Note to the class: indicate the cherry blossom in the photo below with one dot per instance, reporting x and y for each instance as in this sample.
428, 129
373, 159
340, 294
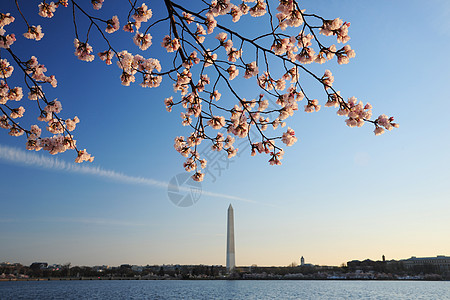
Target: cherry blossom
97, 4
143, 41
201, 67
112, 25
83, 51
46, 10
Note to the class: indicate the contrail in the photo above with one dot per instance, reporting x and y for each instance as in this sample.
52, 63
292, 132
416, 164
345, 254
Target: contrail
34, 159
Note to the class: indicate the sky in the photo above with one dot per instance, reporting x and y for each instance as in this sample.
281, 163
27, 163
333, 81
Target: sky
341, 193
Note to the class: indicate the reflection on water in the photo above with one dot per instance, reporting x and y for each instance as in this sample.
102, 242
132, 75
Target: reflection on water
222, 289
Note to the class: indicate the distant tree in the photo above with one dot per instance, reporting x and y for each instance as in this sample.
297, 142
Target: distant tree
65, 270
293, 264
202, 67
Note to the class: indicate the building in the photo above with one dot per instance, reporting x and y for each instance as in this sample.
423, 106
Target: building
440, 263
230, 240
302, 261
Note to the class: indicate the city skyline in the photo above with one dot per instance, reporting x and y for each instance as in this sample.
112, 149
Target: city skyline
340, 194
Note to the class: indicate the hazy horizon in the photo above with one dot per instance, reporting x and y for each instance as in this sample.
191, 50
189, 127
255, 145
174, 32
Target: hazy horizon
341, 193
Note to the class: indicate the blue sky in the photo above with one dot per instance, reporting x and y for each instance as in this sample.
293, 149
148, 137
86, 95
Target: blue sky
341, 193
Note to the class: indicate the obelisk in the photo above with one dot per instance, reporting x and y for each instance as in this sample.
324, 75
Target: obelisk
230, 240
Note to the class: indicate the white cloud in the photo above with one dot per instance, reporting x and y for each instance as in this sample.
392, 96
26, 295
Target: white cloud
34, 159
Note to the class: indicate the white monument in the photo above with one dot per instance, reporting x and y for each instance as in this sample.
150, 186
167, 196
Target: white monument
230, 240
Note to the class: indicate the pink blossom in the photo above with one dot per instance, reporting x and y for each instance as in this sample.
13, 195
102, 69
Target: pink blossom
198, 176
6, 19
236, 13
15, 131
211, 23
306, 56
229, 141
35, 93
221, 37
33, 144
36, 131
52, 80
55, 126
386, 122
168, 102
151, 81
142, 14
129, 26
194, 140
244, 8
15, 94
46, 10
83, 156
187, 120
291, 17
127, 78
112, 25
209, 58
215, 95
190, 165
327, 79
220, 7
5, 69
203, 163
378, 130
234, 54
276, 157
17, 112
231, 151
53, 107
97, 4
312, 106
200, 30
333, 100
251, 70
7, 41
188, 17
217, 122
289, 137
4, 123
169, 44
72, 123
259, 9
191, 60
106, 56
143, 41
83, 51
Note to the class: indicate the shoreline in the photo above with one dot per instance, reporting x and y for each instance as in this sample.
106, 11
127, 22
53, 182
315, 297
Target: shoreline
197, 279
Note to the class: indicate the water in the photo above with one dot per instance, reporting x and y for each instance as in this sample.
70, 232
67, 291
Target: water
222, 289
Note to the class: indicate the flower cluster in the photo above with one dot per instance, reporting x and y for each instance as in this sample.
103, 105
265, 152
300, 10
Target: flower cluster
336, 27
356, 112
289, 15
170, 45
199, 70
97, 4
6, 40
143, 41
36, 70
6, 69
131, 64
386, 122
83, 51
112, 25
14, 94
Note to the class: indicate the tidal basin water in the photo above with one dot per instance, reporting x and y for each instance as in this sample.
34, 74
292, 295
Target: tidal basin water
222, 289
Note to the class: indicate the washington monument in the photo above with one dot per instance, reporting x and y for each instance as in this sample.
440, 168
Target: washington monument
230, 240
